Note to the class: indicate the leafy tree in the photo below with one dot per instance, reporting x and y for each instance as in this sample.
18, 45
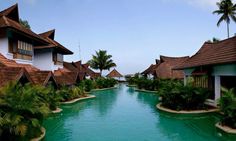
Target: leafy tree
25, 23
214, 40
227, 10
101, 61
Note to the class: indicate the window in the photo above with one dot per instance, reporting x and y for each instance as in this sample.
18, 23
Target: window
58, 59
22, 51
25, 48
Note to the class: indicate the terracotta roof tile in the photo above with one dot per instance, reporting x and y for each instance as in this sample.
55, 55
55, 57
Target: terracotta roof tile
63, 77
8, 74
212, 54
41, 77
49, 37
114, 73
165, 68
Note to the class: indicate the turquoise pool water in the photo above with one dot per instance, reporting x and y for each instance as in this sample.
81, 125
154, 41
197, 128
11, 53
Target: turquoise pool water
123, 114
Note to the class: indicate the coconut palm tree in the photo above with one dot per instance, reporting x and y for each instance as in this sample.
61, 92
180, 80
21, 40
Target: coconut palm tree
101, 61
227, 10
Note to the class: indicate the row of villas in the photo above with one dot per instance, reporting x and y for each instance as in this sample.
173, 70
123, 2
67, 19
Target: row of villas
37, 58
212, 67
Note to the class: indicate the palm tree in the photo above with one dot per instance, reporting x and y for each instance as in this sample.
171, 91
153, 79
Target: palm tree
227, 10
101, 61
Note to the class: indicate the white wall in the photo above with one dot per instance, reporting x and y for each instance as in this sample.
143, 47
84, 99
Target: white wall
43, 60
4, 48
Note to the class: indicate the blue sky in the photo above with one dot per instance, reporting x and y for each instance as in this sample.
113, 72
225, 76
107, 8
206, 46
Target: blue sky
135, 32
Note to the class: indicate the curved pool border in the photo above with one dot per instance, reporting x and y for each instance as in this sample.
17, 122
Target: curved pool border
41, 137
226, 129
58, 110
78, 99
161, 108
131, 85
94, 90
146, 91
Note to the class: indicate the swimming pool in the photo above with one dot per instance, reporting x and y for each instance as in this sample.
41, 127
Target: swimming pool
123, 114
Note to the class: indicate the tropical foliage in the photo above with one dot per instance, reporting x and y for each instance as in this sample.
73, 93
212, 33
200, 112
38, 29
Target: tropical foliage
227, 10
147, 84
21, 112
132, 80
227, 105
105, 82
101, 61
87, 85
70, 93
176, 96
25, 23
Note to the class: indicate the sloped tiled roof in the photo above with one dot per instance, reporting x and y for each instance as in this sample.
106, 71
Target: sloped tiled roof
114, 73
8, 74
7, 21
213, 53
150, 69
37, 76
11, 63
49, 37
65, 77
166, 65
41, 77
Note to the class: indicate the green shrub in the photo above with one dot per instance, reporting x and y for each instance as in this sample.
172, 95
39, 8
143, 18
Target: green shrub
49, 96
147, 84
132, 80
105, 82
227, 105
70, 93
21, 112
87, 85
175, 96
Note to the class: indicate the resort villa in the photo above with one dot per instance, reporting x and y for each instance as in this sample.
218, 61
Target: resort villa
212, 67
115, 74
163, 68
37, 58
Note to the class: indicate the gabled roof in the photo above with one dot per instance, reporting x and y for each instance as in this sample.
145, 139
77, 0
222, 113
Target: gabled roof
49, 37
11, 12
9, 18
85, 69
11, 63
65, 77
114, 73
221, 52
36, 76
150, 69
41, 77
165, 68
8, 74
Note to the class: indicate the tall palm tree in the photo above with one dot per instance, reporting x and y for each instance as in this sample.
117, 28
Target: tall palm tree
101, 61
227, 10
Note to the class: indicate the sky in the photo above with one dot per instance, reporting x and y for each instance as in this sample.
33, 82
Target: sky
134, 32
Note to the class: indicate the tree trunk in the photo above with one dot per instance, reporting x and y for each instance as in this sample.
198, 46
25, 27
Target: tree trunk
101, 72
228, 29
